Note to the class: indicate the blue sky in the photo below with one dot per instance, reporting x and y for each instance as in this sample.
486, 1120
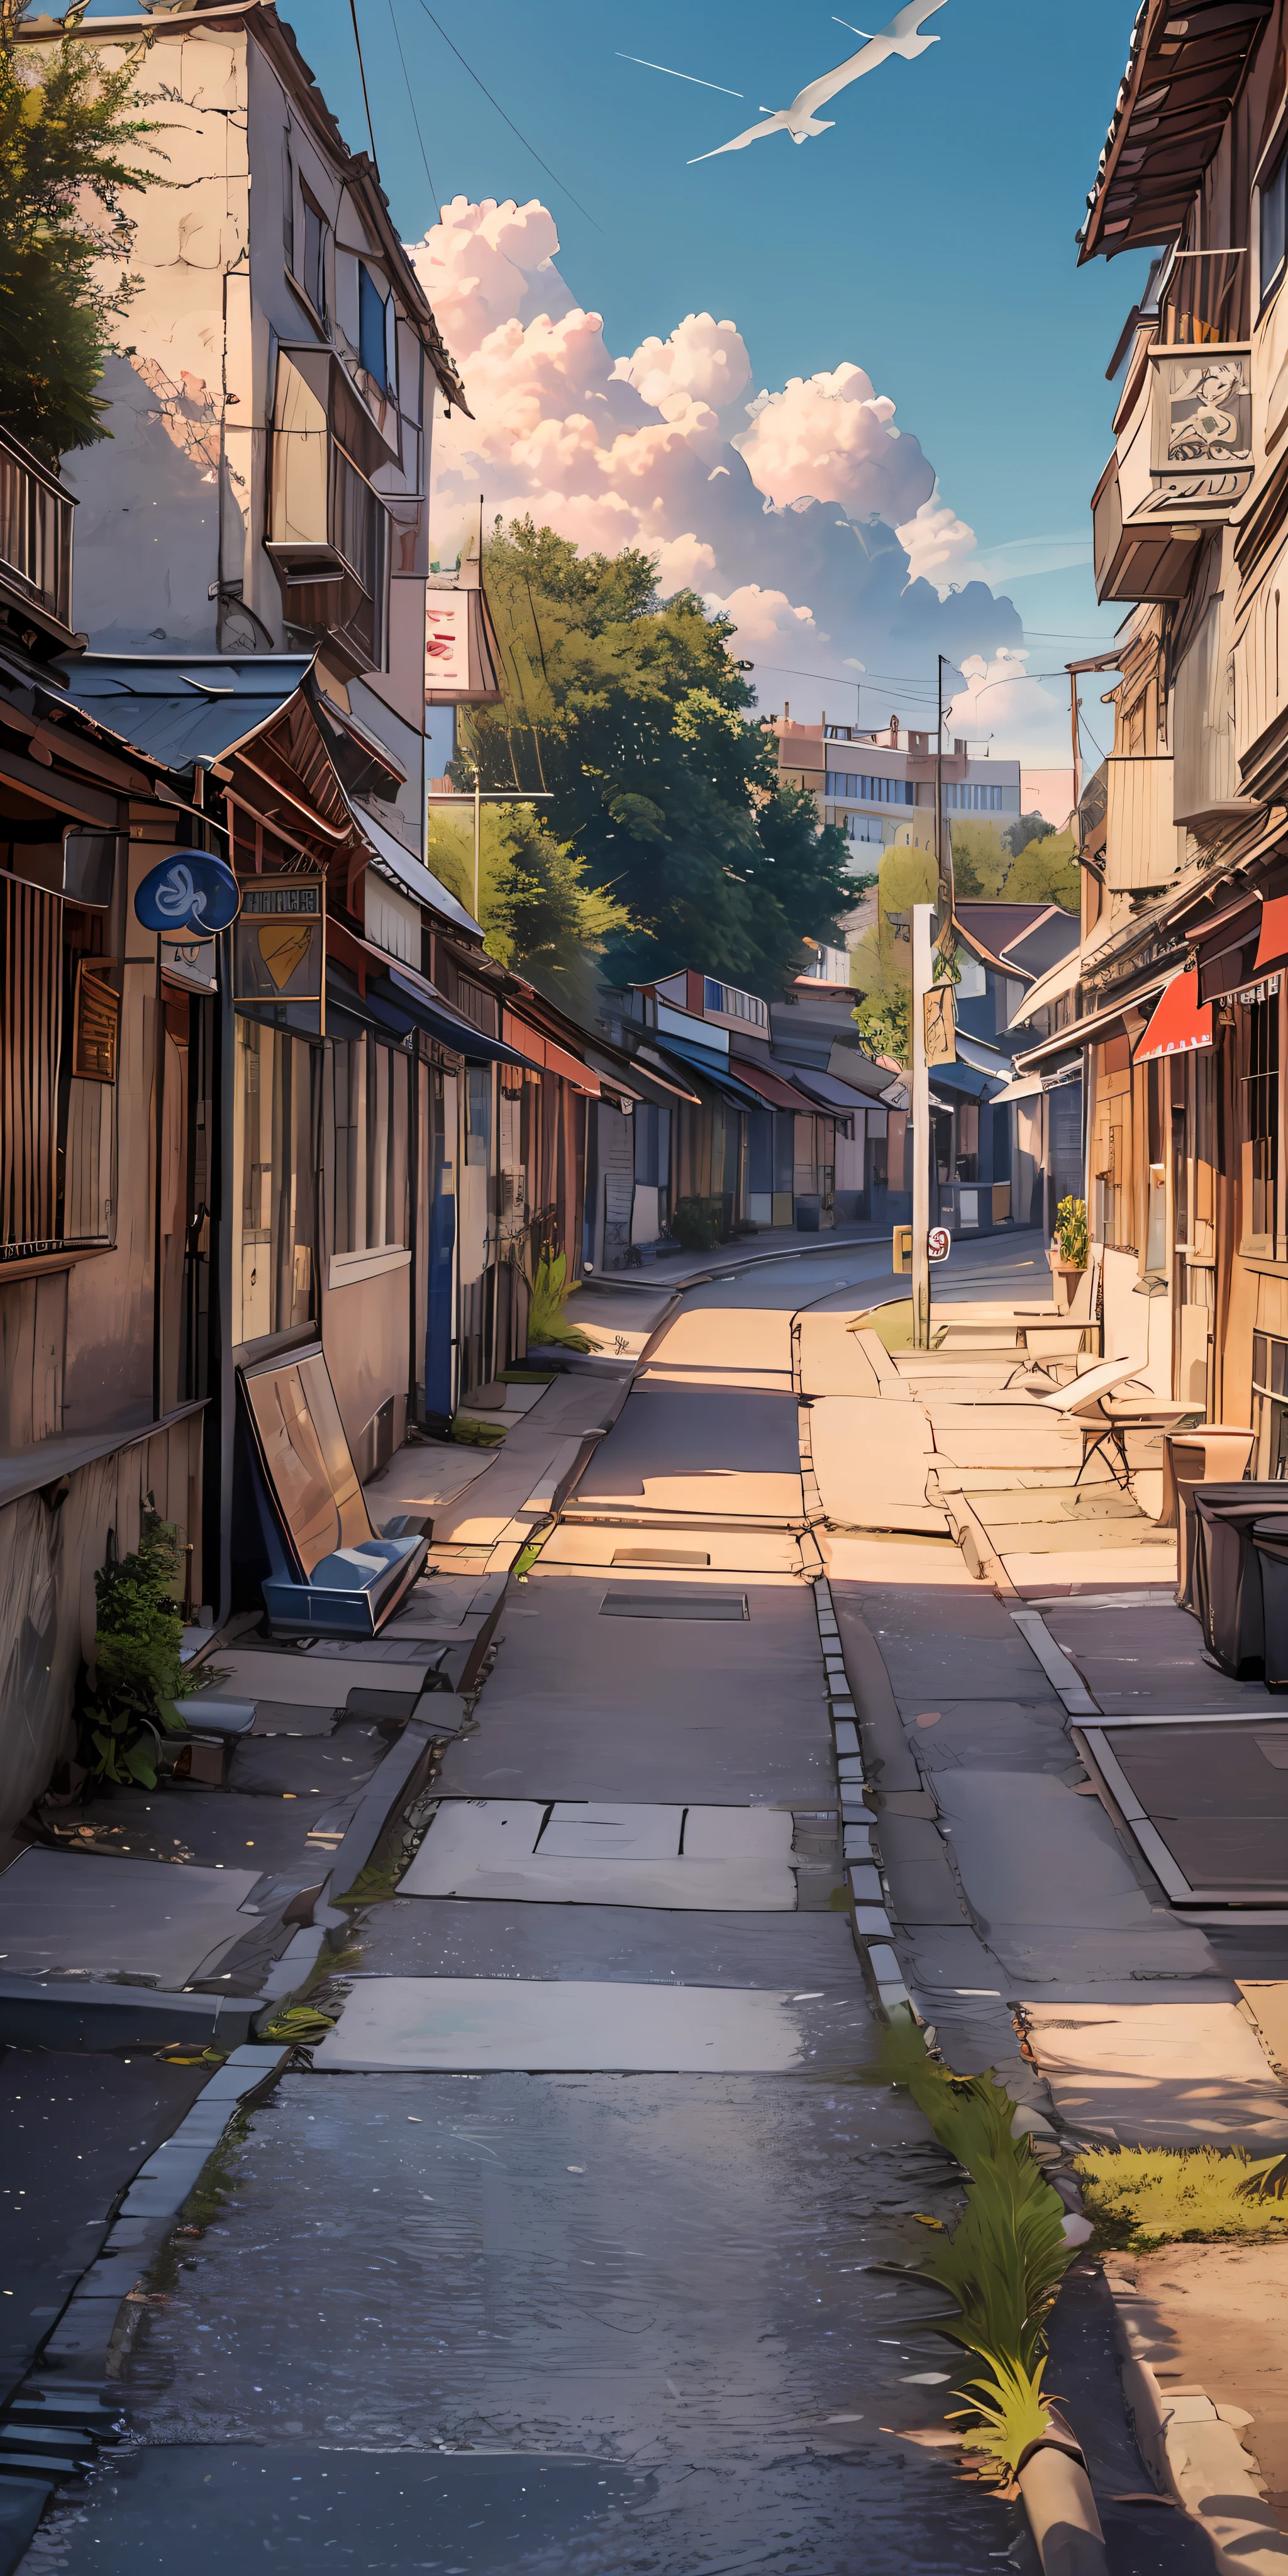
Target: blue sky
928, 237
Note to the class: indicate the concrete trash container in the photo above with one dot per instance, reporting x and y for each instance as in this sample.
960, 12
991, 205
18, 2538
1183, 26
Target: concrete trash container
1226, 1581
1210, 1453
1270, 1540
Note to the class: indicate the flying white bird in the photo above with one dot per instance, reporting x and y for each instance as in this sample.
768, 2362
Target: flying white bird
903, 36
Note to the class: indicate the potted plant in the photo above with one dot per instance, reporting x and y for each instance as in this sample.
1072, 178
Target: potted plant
1068, 1252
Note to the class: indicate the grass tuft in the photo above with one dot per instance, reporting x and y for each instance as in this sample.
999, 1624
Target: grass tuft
1139, 2197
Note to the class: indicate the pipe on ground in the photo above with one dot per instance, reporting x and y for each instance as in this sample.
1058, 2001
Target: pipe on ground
1062, 2513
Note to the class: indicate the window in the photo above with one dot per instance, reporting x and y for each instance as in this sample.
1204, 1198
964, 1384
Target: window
377, 332
317, 233
734, 1004
273, 1118
328, 529
370, 1091
1260, 1088
1274, 225
975, 800
869, 791
59, 1020
1270, 1395
288, 206
478, 1113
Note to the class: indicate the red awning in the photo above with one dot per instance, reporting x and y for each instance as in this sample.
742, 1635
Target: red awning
776, 1093
1179, 1021
534, 1043
1272, 947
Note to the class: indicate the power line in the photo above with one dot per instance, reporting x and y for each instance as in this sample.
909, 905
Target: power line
411, 95
362, 74
508, 120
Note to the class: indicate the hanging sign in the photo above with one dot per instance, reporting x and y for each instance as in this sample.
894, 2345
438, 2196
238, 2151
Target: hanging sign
941, 1025
939, 1243
191, 894
279, 955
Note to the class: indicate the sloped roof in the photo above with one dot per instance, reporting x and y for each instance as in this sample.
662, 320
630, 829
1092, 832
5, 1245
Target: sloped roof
1182, 77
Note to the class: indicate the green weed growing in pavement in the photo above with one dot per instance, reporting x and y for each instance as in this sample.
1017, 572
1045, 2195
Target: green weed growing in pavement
1140, 2197
1004, 2260
139, 1676
547, 1321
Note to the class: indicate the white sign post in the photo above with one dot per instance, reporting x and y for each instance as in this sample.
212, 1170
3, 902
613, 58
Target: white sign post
922, 977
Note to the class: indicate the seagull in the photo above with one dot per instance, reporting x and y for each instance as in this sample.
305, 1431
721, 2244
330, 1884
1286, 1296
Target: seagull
903, 36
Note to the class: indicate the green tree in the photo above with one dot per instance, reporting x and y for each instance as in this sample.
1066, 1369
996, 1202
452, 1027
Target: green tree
1047, 872
981, 859
881, 964
1030, 827
67, 124
537, 912
629, 711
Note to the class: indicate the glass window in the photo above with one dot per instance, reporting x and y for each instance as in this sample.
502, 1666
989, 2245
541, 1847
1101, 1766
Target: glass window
372, 338
273, 1276
1270, 1395
1274, 224
316, 230
1260, 1116
369, 1122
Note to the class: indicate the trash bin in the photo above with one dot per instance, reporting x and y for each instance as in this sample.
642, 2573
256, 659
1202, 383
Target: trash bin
1210, 1453
1226, 1580
1270, 1540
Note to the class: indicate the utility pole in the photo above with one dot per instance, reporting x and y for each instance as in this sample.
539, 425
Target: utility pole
477, 832
939, 785
922, 916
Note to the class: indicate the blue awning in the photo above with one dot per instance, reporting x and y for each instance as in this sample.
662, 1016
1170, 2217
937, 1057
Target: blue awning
180, 709
964, 1079
402, 1005
713, 1068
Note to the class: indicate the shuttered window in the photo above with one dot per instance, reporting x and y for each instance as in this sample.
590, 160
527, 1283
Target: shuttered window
31, 1016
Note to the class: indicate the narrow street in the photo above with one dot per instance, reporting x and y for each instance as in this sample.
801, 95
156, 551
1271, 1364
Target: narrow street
569, 2248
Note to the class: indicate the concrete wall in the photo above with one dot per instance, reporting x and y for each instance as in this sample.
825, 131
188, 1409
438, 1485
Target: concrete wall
49, 1550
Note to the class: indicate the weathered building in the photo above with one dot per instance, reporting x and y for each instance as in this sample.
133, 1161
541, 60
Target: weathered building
1177, 1005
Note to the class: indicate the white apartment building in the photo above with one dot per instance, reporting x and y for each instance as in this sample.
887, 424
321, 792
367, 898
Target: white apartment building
879, 788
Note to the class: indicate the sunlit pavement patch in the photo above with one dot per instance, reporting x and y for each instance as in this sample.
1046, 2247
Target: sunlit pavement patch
594, 1853
469, 2023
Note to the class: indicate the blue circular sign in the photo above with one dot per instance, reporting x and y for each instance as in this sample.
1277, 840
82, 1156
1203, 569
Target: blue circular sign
191, 895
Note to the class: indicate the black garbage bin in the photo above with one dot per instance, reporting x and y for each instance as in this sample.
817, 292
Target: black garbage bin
1227, 1573
1270, 1540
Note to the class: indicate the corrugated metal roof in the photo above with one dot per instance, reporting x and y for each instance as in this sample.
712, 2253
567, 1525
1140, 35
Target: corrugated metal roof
183, 709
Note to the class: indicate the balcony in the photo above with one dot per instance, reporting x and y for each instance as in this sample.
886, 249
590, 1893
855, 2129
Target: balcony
35, 551
1183, 460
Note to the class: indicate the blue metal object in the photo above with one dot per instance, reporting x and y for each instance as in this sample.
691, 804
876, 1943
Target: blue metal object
192, 894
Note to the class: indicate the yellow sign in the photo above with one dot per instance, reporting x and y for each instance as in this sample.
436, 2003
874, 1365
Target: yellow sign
941, 1025
901, 1250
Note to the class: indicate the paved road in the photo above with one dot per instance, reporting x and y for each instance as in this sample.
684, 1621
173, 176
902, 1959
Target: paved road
563, 2254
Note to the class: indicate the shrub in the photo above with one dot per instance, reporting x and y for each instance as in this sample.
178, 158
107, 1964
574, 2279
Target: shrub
139, 1674
698, 1223
1071, 1231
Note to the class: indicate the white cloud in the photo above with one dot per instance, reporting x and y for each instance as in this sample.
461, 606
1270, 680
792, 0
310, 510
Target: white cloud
938, 544
805, 512
1002, 707
702, 358
763, 616
829, 438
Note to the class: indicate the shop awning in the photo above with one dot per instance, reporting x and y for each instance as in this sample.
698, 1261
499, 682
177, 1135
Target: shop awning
544, 1050
778, 1093
1051, 987
963, 1079
403, 1004
1272, 948
1180, 1021
985, 1058
1226, 950
1026, 1086
713, 1069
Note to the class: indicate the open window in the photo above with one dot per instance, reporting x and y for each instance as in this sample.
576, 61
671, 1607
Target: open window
59, 1039
328, 528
